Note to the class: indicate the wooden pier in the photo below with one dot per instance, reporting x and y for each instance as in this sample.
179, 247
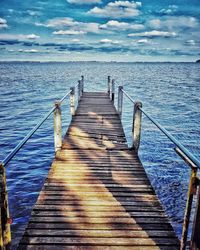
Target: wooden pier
97, 194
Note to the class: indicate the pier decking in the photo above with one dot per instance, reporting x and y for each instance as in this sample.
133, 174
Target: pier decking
97, 194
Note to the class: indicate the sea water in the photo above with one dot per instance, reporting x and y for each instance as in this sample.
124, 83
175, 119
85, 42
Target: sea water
169, 92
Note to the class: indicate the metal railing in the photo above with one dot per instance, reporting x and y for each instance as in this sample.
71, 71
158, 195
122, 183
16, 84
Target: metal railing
184, 153
5, 220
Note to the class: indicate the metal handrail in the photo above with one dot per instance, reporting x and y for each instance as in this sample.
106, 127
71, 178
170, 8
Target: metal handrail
127, 95
6, 160
169, 136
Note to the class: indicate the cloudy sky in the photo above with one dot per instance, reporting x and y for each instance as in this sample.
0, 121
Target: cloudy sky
69, 30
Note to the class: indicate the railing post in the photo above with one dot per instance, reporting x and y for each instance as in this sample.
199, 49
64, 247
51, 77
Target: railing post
5, 220
120, 100
82, 84
136, 127
79, 90
109, 81
57, 127
195, 240
72, 101
188, 208
113, 91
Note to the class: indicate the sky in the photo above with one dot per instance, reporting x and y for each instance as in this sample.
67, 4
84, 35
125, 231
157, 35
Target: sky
99, 30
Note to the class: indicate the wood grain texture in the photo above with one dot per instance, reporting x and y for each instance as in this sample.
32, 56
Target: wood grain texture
97, 194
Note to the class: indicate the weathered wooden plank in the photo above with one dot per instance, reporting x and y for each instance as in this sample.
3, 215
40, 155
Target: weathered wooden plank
100, 190
96, 226
97, 208
101, 233
97, 214
97, 247
102, 220
120, 241
106, 194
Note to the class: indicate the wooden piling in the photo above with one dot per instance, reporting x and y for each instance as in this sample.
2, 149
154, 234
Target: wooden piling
72, 101
82, 84
136, 126
109, 82
186, 221
195, 239
57, 127
120, 100
5, 237
113, 90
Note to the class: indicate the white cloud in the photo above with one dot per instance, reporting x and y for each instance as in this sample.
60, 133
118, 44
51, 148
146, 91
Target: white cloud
66, 22
28, 50
143, 41
32, 37
59, 23
118, 9
84, 1
171, 23
18, 37
89, 27
116, 25
69, 32
153, 33
171, 9
33, 13
75, 40
3, 23
191, 42
109, 41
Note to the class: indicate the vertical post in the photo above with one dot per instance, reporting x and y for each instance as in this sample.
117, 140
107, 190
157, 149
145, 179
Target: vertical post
188, 208
109, 81
57, 127
72, 101
5, 237
195, 240
82, 84
120, 100
113, 91
79, 90
136, 127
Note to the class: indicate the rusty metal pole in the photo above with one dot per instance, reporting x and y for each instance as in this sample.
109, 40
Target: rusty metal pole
57, 127
5, 237
136, 127
113, 91
195, 239
120, 100
72, 101
188, 208
109, 82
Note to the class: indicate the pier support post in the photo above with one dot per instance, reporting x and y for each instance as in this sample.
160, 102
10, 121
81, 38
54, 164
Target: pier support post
57, 127
113, 91
188, 208
195, 240
5, 220
136, 127
82, 84
79, 90
120, 100
72, 101
109, 82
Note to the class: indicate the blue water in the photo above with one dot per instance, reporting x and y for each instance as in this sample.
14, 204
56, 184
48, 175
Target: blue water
170, 92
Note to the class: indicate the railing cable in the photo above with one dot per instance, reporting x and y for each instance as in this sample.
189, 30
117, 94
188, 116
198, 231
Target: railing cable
169, 136
28, 136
